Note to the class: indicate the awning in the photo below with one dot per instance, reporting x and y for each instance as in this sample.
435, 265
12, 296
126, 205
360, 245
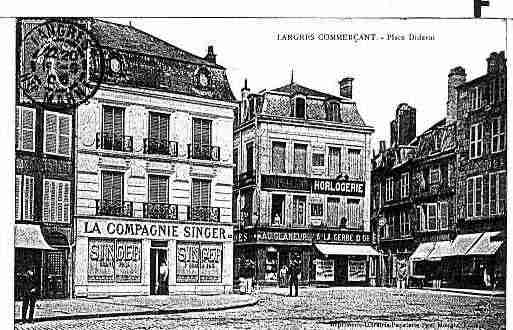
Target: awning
346, 250
29, 237
422, 251
441, 249
462, 243
487, 244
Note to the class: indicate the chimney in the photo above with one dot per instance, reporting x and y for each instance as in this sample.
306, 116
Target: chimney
382, 146
457, 76
211, 57
496, 62
405, 124
244, 100
393, 133
346, 87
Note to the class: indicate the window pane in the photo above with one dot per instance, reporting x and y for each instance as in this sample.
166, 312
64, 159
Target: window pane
332, 219
300, 158
299, 210
277, 216
278, 157
333, 161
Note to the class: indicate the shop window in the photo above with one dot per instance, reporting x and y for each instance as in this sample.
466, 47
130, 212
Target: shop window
476, 140
278, 157
354, 214
271, 265
56, 201
278, 210
498, 134
316, 209
299, 210
474, 196
333, 161
355, 169
333, 212
300, 158
318, 160
25, 128
57, 139
497, 184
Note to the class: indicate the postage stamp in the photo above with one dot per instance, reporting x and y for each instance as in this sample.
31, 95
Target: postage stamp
54, 70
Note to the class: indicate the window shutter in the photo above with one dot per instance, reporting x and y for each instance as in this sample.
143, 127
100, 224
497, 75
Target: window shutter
18, 128
53, 201
18, 197
108, 120
112, 186
196, 131
154, 126
118, 123
479, 192
64, 134
205, 193
28, 120
66, 202
332, 212
106, 186
60, 201
164, 127
205, 132
28, 198
46, 200
196, 193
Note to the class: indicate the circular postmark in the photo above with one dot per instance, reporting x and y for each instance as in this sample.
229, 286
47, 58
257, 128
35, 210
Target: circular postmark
54, 71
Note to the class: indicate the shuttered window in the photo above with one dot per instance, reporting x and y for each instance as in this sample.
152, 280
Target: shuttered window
278, 157
158, 189
56, 201
300, 158
57, 139
332, 220
18, 196
28, 198
159, 126
333, 161
112, 186
355, 169
354, 213
200, 193
201, 132
113, 122
25, 128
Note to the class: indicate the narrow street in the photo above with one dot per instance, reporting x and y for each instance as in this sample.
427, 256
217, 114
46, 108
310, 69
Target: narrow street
323, 309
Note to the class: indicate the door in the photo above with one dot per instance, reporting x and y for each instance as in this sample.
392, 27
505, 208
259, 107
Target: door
55, 274
159, 272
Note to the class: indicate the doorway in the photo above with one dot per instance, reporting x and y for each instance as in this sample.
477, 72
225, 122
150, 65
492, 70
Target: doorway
159, 268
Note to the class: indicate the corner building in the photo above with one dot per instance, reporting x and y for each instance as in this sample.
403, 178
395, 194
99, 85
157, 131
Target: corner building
302, 185
154, 170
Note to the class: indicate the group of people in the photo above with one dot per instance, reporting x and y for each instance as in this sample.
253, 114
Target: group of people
289, 274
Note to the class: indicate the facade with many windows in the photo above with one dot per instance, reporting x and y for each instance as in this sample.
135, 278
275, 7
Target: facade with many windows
154, 171
44, 191
302, 185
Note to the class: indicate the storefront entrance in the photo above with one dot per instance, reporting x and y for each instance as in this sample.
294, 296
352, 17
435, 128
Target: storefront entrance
159, 268
55, 274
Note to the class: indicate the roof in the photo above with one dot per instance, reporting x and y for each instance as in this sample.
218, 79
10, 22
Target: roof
293, 89
131, 39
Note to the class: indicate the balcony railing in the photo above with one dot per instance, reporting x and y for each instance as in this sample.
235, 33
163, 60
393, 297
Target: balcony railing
114, 208
160, 211
203, 152
161, 147
204, 213
108, 141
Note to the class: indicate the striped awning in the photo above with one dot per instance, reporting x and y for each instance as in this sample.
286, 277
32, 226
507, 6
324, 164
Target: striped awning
488, 244
422, 251
441, 249
29, 237
462, 243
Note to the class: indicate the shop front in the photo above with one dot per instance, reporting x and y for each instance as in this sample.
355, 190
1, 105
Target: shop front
326, 257
118, 257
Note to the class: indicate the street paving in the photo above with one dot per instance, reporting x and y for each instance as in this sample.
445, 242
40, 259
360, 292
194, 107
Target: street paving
323, 309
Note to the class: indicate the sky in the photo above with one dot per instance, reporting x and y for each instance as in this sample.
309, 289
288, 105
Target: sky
386, 72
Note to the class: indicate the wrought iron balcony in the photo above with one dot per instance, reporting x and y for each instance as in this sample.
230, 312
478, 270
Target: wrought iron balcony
161, 147
160, 211
203, 152
204, 213
116, 142
114, 208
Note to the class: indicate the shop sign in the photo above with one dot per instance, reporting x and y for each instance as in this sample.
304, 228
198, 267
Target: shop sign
302, 236
314, 185
112, 260
324, 270
152, 230
199, 262
356, 270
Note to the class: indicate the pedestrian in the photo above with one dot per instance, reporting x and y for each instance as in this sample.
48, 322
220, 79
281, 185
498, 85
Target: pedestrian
163, 276
283, 276
29, 288
293, 277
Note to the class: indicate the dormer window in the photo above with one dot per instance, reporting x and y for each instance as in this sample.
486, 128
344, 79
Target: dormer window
299, 108
203, 78
333, 111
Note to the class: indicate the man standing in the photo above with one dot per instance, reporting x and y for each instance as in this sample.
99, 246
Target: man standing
29, 295
293, 280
